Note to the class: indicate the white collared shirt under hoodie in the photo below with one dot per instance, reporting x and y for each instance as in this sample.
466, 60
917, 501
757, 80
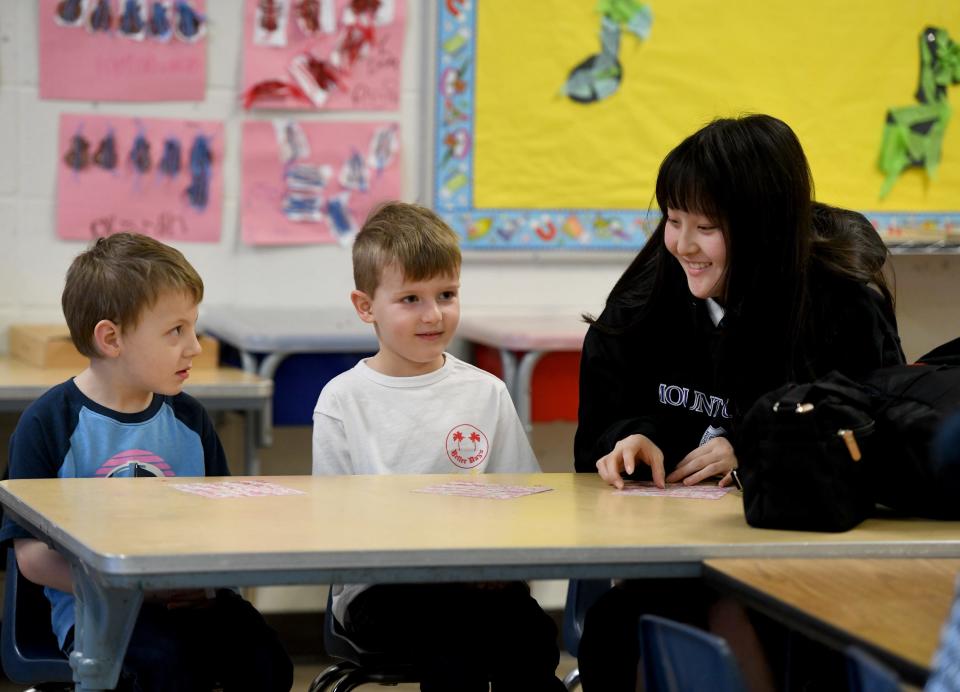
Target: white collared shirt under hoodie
457, 419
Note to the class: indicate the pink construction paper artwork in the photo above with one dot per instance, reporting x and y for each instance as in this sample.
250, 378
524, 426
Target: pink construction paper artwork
122, 50
322, 54
159, 177
313, 182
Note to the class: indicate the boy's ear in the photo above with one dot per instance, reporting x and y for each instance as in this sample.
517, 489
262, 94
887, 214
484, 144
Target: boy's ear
106, 338
363, 304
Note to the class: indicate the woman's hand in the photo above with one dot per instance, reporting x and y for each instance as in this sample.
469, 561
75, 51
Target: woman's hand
624, 457
715, 458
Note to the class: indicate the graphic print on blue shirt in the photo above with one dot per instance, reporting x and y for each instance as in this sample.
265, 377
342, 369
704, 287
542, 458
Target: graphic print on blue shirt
102, 446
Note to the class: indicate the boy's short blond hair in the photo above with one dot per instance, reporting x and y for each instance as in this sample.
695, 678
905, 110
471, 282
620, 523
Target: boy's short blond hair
118, 278
413, 237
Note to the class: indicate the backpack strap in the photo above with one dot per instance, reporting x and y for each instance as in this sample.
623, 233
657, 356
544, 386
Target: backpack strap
944, 354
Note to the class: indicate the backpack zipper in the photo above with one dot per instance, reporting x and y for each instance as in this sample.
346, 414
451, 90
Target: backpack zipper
851, 441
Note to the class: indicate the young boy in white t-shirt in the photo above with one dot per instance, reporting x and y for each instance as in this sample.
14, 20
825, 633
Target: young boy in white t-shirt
412, 408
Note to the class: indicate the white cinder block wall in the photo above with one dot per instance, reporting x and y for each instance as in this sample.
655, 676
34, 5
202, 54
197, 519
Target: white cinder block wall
33, 260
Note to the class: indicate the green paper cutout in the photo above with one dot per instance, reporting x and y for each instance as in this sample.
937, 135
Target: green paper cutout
599, 76
913, 135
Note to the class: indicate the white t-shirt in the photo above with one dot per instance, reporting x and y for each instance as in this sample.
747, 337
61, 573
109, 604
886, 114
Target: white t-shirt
456, 419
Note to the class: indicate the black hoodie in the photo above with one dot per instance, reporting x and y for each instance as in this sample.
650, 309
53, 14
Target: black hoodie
665, 371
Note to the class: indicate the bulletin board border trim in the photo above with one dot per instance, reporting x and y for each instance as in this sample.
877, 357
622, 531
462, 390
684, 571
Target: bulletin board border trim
566, 229
453, 159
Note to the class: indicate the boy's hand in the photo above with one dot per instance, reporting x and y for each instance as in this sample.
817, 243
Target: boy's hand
624, 457
715, 458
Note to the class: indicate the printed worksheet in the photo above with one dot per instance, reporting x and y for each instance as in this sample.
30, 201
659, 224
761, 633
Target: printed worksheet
251, 488
487, 490
697, 492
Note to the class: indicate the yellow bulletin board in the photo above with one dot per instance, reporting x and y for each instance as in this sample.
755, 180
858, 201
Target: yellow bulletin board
520, 164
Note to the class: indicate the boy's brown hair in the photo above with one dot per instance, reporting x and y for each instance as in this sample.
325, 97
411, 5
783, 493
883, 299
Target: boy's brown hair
413, 237
119, 277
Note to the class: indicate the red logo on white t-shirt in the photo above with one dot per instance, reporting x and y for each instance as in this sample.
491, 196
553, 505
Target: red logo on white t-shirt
467, 446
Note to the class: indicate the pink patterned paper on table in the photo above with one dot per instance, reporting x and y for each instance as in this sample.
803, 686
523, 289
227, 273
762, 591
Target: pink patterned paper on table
157, 176
487, 490
237, 488
697, 492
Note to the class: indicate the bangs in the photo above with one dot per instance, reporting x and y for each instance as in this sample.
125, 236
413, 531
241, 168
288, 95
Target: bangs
688, 182
422, 261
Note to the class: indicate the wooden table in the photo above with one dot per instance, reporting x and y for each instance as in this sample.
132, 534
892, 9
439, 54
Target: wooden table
376, 529
534, 335
892, 608
280, 332
218, 389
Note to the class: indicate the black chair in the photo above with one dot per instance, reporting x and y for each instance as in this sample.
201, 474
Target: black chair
581, 594
28, 647
681, 658
357, 666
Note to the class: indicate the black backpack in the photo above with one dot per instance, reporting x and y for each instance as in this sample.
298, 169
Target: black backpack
819, 456
910, 403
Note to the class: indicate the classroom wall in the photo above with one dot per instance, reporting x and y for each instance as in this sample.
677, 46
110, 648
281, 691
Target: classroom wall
33, 261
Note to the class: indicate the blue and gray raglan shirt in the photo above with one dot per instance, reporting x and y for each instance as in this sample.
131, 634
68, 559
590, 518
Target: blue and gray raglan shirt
64, 434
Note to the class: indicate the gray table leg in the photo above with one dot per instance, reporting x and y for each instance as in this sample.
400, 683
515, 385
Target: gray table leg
508, 362
522, 385
105, 618
251, 462
268, 368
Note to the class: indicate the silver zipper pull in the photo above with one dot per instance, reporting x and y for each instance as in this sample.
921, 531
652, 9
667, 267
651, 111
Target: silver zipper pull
851, 442
800, 408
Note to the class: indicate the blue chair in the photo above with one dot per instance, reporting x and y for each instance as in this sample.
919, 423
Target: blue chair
28, 647
581, 594
356, 666
681, 658
867, 674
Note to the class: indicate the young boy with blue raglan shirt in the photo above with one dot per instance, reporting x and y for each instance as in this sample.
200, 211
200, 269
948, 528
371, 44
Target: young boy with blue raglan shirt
131, 305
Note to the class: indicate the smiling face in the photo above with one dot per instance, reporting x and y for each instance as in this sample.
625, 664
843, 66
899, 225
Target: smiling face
155, 355
415, 321
699, 245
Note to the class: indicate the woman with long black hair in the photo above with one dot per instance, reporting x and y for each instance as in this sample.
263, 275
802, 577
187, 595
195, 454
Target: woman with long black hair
746, 284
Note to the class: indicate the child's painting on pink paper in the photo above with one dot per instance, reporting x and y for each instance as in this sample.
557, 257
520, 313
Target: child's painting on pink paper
314, 182
159, 177
323, 54
122, 50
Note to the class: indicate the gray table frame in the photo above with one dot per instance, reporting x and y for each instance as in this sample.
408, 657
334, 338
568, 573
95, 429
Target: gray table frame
110, 587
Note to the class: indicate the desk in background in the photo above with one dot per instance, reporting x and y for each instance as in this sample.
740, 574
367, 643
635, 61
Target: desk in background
371, 529
277, 333
534, 334
894, 609
218, 389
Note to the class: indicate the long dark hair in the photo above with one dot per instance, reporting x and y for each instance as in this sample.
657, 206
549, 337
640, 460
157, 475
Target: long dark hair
751, 177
